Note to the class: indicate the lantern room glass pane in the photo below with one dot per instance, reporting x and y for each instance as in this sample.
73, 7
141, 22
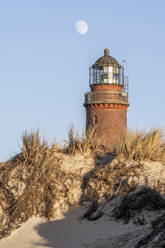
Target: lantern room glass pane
104, 75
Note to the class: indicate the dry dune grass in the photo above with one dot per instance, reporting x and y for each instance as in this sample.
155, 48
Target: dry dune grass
135, 145
142, 145
135, 202
33, 183
125, 174
115, 178
89, 142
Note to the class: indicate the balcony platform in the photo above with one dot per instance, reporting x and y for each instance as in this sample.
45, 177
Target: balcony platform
97, 97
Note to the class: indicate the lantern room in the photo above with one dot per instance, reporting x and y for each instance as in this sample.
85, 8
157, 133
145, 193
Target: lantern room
106, 70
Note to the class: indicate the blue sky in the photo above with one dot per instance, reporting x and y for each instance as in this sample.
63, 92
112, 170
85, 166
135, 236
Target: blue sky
44, 63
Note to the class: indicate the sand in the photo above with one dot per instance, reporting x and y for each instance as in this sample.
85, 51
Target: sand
70, 231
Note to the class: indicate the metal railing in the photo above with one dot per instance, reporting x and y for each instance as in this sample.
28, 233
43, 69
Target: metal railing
106, 97
100, 77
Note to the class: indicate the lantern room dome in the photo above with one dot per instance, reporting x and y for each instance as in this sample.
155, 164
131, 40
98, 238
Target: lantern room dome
106, 60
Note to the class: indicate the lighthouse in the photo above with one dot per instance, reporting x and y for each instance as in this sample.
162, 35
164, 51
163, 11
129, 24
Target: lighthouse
107, 102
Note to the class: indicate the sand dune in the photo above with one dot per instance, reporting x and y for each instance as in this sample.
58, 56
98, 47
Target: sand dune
70, 231
124, 197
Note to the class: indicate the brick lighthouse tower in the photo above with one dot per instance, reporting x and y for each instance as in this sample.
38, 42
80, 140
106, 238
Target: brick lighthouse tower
107, 102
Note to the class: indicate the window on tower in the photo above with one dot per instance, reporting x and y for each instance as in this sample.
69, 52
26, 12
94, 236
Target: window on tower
95, 120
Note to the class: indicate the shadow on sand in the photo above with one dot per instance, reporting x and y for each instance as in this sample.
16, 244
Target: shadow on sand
71, 231
135, 209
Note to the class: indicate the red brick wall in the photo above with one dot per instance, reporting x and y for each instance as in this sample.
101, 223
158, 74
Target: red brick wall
106, 87
112, 123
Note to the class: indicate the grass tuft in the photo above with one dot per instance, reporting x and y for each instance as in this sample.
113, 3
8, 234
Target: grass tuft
142, 145
89, 142
33, 183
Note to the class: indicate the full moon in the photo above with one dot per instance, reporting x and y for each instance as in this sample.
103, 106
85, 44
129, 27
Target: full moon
81, 27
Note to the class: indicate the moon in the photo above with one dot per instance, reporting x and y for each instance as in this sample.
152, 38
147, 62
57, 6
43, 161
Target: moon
81, 27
